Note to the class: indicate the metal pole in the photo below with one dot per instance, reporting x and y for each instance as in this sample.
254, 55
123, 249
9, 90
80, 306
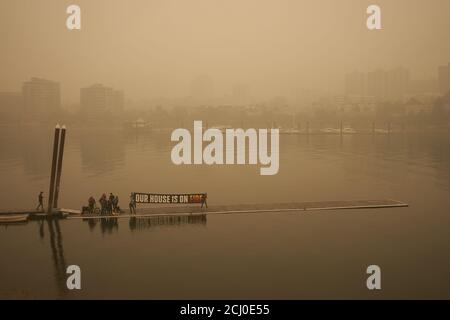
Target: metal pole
53, 172
59, 168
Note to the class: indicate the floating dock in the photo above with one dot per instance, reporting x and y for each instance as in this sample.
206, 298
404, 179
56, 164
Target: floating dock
214, 209
251, 208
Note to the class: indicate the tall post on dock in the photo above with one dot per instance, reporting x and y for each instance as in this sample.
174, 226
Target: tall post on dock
53, 172
59, 166
341, 128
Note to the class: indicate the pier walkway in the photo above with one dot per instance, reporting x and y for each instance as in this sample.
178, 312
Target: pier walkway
217, 209
253, 208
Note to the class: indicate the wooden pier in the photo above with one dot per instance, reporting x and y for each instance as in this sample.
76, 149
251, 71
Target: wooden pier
217, 209
253, 208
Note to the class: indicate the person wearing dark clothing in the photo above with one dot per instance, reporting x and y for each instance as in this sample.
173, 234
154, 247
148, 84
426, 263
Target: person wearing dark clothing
111, 200
103, 204
204, 196
109, 206
132, 204
41, 202
116, 204
91, 202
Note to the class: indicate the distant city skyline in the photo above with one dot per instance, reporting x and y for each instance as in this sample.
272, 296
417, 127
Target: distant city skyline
41, 97
38, 94
154, 49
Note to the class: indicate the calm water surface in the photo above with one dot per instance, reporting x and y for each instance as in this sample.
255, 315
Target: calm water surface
276, 255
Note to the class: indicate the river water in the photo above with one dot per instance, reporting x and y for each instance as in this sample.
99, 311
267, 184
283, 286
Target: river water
320, 254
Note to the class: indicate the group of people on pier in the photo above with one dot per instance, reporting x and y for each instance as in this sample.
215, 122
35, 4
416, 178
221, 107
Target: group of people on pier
108, 205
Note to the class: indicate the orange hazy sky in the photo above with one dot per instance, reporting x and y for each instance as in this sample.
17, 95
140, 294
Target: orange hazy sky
155, 48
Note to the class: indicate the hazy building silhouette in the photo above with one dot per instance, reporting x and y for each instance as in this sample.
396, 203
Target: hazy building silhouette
382, 85
11, 105
41, 98
103, 152
414, 106
423, 86
98, 100
444, 79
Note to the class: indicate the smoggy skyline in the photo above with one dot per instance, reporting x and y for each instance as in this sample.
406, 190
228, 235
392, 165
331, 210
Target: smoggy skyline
157, 48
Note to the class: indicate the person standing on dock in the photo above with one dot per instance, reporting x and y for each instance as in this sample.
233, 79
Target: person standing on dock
41, 201
204, 196
109, 206
103, 201
132, 204
116, 204
111, 201
91, 202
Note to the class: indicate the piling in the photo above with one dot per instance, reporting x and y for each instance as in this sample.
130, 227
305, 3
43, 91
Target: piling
59, 166
53, 172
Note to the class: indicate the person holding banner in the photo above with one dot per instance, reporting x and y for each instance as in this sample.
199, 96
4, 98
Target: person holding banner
204, 196
132, 204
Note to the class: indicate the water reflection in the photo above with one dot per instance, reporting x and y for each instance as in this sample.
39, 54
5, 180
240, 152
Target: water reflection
49, 229
115, 154
32, 149
57, 251
101, 151
140, 223
111, 225
412, 168
107, 225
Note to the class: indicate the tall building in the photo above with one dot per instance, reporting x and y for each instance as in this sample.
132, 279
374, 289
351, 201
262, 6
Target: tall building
423, 86
444, 79
41, 98
99, 100
382, 85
